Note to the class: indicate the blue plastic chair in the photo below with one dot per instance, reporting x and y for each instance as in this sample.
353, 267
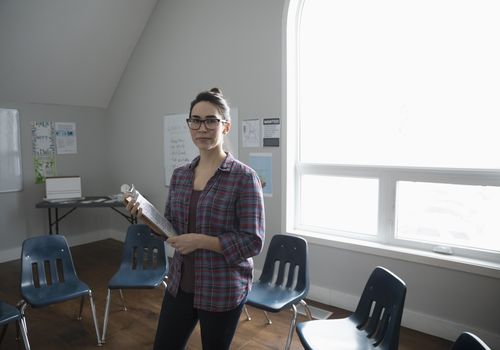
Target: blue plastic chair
284, 281
374, 324
143, 266
9, 314
469, 341
48, 276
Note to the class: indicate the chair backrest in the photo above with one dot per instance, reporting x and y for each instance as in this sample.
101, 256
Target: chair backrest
286, 263
380, 308
469, 341
46, 261
143, 250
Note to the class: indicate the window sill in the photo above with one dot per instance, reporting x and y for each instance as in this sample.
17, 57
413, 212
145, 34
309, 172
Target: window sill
479, 267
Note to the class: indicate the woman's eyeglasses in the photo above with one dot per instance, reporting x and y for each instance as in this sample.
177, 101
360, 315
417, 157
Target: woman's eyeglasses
210, 124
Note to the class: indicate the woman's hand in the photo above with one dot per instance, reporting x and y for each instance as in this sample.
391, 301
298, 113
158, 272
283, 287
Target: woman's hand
135, 210
133, 207
189, 242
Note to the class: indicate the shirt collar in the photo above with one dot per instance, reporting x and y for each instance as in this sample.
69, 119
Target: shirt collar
226, 165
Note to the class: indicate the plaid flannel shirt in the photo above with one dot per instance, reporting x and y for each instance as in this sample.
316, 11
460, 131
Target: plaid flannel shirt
231, 207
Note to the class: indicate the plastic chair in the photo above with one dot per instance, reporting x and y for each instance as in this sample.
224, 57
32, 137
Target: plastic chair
469, 341
9, 314
48, 276
374, 324
143, 266
284, 281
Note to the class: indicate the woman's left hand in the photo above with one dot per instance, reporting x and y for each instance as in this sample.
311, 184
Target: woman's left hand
189, 242
185, 243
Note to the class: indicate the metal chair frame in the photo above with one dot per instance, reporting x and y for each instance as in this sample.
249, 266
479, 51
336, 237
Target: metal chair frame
48, 276
143, 266
284, 281
9, 314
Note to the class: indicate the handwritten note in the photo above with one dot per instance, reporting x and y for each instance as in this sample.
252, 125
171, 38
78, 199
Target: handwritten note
178, 147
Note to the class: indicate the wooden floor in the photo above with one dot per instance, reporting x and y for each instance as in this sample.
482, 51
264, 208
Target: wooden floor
56, 327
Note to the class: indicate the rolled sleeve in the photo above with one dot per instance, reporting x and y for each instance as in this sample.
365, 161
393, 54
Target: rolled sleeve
248, 240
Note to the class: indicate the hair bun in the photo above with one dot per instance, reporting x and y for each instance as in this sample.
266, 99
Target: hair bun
216, 90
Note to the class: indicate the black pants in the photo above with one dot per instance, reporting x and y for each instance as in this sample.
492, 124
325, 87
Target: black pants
178, 318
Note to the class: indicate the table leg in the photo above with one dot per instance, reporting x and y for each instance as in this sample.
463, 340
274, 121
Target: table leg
57, 221
50, 220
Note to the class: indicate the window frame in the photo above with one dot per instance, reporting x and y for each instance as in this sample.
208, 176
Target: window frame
385, 242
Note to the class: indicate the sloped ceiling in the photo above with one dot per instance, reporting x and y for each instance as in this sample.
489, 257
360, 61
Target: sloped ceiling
68, 52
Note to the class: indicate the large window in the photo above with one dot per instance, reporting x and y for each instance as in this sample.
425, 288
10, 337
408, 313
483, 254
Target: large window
393, 105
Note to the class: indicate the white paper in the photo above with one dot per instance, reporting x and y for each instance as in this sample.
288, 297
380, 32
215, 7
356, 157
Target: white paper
66, 138
251, 133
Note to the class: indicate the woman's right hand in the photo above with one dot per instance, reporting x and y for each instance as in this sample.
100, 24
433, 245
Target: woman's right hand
133, 207
135, 210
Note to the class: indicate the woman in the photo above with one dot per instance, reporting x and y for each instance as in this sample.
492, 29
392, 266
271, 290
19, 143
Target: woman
215, 203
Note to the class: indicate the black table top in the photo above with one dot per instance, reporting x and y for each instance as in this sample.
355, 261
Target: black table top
90, 202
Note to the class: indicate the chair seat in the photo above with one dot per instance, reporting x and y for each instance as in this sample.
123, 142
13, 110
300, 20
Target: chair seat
8, 313
137, 279
56, 293
318, 335
272, 299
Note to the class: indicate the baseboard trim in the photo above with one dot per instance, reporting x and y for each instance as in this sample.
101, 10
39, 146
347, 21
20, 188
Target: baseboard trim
10, 254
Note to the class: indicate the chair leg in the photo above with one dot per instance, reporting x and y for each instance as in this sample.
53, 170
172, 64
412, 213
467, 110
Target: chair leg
268, 319
79, 318
4, 329
24, 332
21, 325
306, 307
246, 312
292, 328
94, 316
123, 300
106, 317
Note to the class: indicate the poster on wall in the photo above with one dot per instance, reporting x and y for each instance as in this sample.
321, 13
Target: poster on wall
43, 138
262, 163
271, 132
44, 150
251, 133
65, 138
44, 167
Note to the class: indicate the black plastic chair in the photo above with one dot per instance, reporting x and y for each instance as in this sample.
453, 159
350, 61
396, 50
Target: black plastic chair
9, 314
374, 324
48, 276
469, 341
143, 266
284, 281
